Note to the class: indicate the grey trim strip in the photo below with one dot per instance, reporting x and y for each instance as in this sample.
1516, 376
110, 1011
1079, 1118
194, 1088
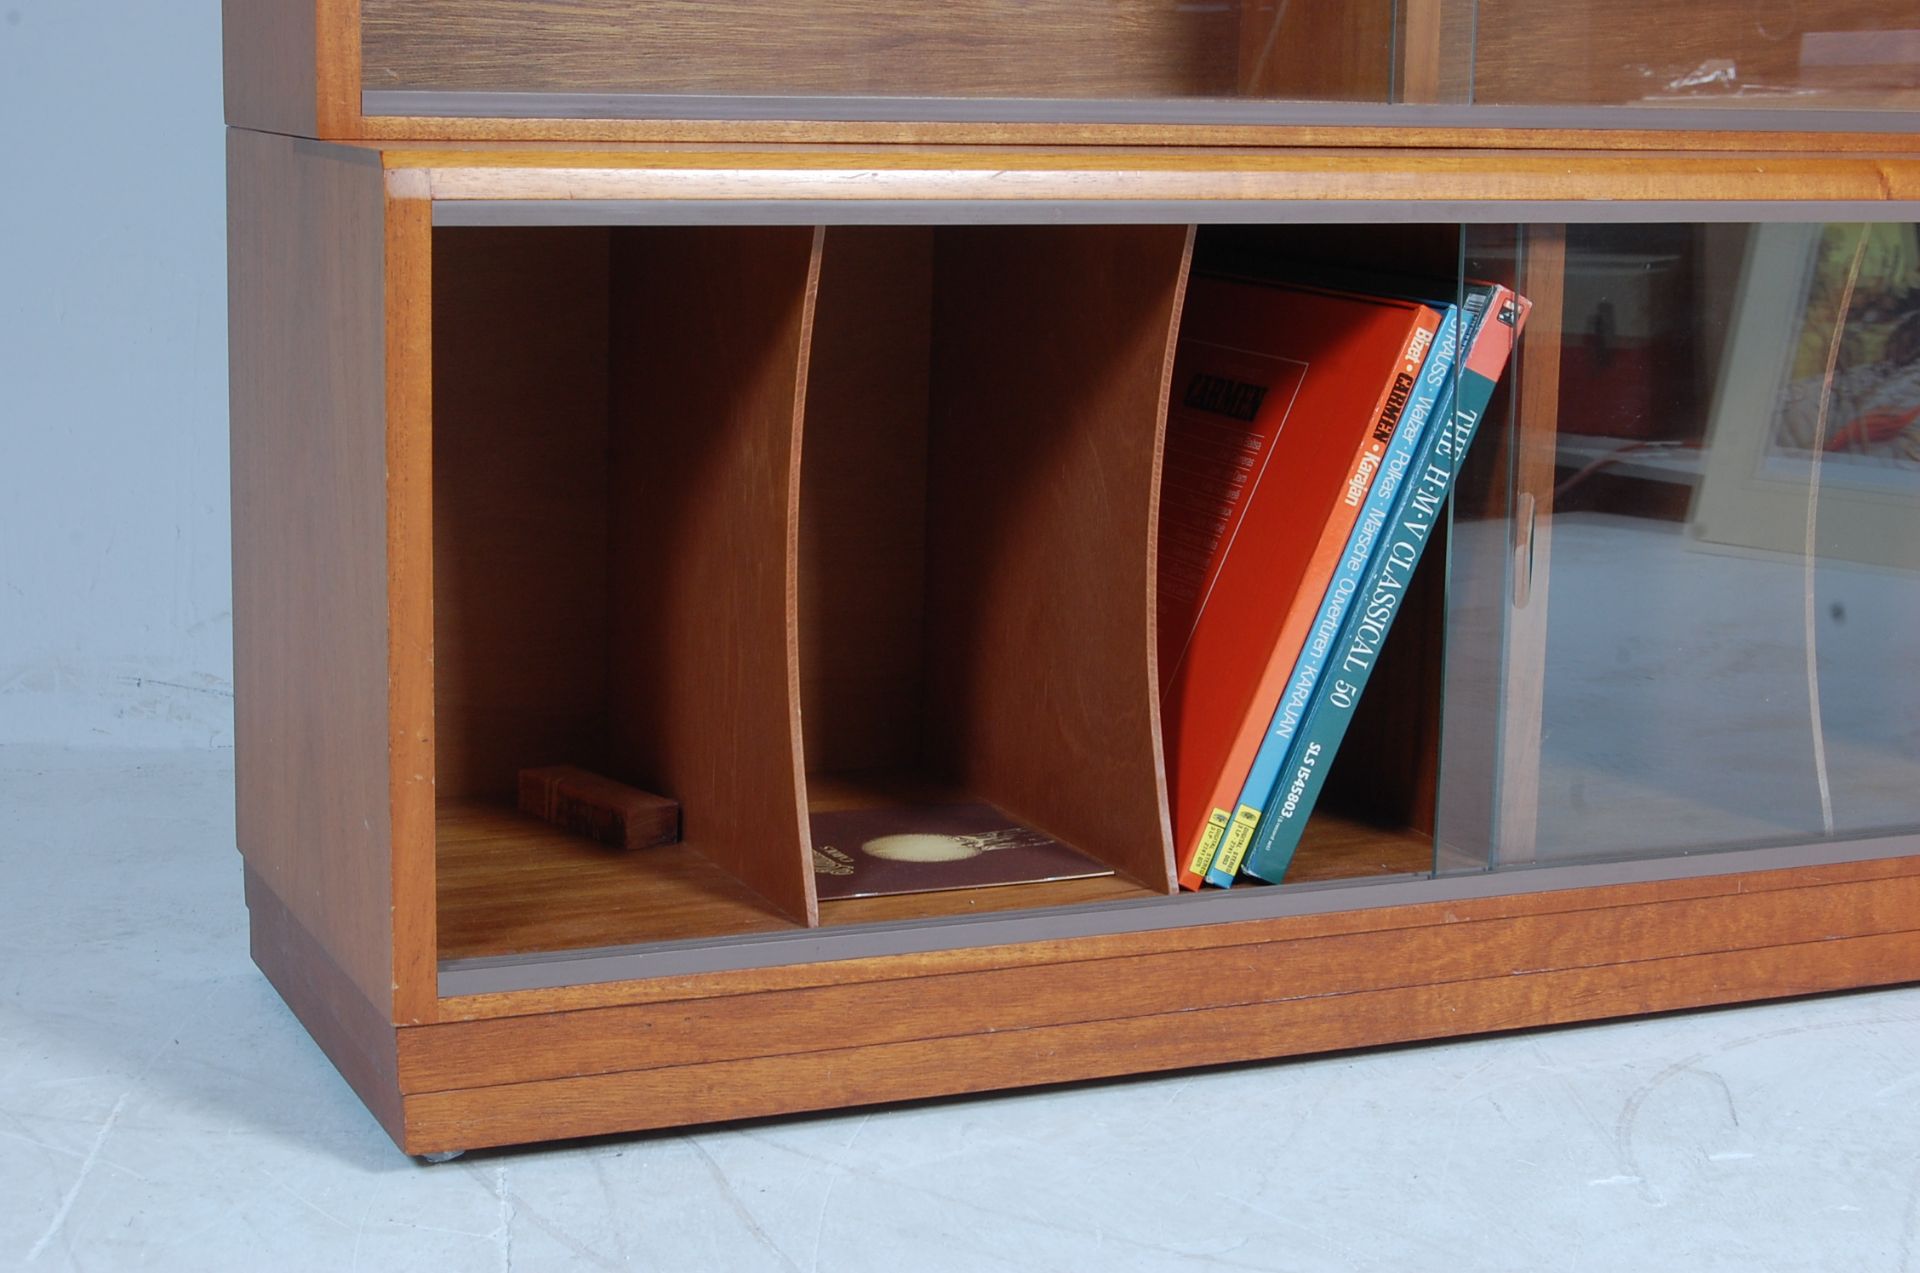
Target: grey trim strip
610, 212
822, 945
725, 108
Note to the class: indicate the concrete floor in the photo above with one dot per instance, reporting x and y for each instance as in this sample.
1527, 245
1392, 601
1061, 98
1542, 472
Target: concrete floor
159, 1108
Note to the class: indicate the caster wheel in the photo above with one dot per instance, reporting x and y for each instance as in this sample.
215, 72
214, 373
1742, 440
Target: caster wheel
448, 1156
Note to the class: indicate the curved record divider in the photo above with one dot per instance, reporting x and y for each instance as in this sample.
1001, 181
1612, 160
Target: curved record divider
1051, 355
710, 335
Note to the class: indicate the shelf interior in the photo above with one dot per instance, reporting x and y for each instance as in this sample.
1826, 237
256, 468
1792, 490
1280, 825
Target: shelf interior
983, 421
746, 516
615, 452
512, 885
987, 48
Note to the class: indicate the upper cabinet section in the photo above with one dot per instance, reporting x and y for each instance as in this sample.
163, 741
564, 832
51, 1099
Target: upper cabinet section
1750, 55
981, 59
999, 70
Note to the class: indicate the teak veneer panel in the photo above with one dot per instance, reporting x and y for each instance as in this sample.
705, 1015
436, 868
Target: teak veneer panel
512, 884
1019, 48
1406, 179
1317, 52
509, 884
299, 67
863, 501
410, 637
848, 1076
707, 334
360, 1040
1053, 353
1389, 138
853, 1077
293, 66
1360, 918
310, 564
520, 505
710, 333
935, 1006
1634, 50
984, 435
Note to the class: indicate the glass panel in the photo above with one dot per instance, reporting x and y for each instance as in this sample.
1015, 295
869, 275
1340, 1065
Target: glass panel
1097, 60
1696, 550
1074, 50
1750, 53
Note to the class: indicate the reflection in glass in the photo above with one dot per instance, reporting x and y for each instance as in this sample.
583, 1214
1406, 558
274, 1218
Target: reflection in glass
1727, 554
1142, 60
1750, 53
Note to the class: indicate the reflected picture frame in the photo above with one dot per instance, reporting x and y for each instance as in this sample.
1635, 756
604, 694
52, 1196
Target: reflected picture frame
1770, 451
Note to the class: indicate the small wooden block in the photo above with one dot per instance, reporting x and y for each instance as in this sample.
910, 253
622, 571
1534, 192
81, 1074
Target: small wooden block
600, 809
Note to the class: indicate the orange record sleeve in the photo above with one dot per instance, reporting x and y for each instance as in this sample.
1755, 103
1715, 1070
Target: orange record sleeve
1284, 399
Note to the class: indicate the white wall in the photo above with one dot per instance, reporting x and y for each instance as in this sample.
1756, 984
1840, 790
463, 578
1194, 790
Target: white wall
115, 614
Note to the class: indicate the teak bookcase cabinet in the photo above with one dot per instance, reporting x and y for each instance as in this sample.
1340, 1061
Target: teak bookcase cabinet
772, 476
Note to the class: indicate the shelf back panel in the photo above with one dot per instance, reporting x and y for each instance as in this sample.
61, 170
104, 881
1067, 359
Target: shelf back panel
863, 503
520, 507
1052, 351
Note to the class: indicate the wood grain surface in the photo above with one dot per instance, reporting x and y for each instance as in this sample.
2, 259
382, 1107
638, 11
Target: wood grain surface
1435, 954
293, 66
1360, 917
530, 471
1053, 347
512, 884
272, 55
844, 1076
1317, 52
360, 1039
299, 66
509, 884
1406, 179
1644, 50
340, 75
863, 502
309, 471
1017, 48
1624, 133
520, 505
710, 333
410, 653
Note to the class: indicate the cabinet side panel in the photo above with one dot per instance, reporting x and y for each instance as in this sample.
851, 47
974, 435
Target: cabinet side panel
272, 60
306, 245
293, 66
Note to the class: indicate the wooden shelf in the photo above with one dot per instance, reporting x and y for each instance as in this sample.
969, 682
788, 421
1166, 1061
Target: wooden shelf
1337, 846
512, 885
865, 791
528, 472
509, 884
